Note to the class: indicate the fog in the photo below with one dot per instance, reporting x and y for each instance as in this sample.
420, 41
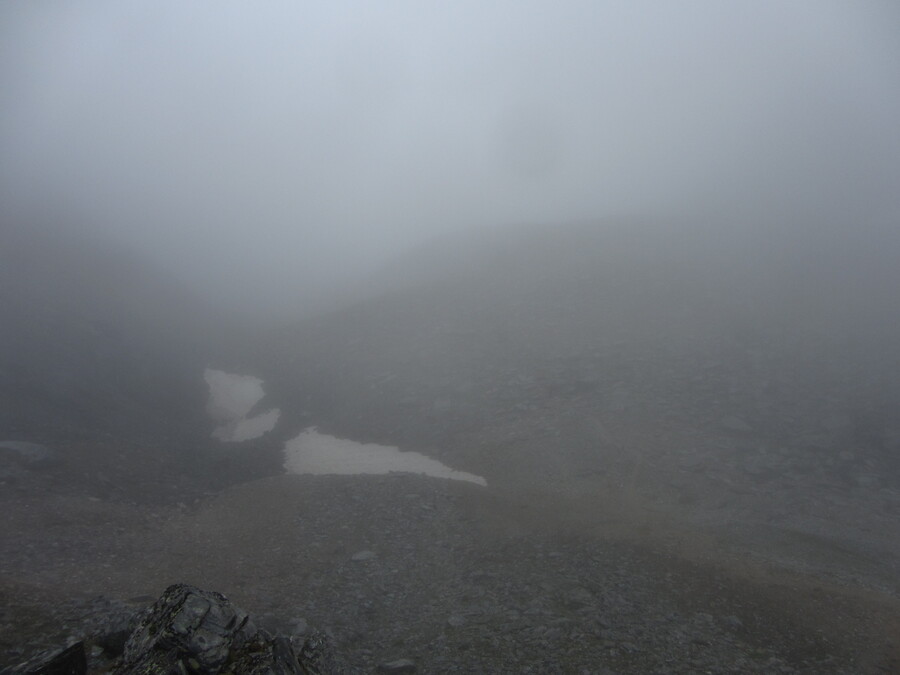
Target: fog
477, 337
275, 154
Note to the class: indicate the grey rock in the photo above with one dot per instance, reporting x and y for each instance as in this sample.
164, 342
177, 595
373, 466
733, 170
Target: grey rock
192, 630
69, 661
398, 667
362, 556
266, 655
455, 621
316, 656
112, 640
186, 621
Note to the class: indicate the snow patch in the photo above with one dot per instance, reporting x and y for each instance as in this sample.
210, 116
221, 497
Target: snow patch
315, 453
231, 398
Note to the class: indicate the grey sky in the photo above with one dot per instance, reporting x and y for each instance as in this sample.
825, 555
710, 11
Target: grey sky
279, 145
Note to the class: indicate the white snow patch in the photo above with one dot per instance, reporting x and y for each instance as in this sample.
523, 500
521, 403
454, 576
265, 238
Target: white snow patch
231, 398
315, 453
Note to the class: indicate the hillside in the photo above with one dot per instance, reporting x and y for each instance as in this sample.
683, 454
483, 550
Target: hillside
688, 440
742, 381
94, 338
794, 332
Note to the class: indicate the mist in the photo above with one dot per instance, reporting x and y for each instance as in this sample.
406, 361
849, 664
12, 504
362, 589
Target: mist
450, 337
276, 155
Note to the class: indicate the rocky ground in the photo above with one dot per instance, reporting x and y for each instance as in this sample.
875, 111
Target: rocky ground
455, 577
693, 462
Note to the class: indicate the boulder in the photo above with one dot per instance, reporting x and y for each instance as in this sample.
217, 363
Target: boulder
189, 630
69, 661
